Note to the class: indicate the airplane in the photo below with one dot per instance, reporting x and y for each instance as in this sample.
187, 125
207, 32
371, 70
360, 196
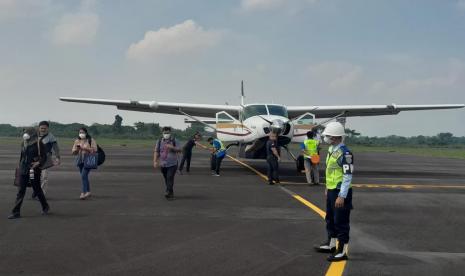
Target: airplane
249, 125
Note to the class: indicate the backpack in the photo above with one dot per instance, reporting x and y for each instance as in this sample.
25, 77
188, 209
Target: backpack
100, 154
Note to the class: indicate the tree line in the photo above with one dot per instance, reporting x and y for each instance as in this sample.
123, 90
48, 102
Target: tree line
141, 130
440, 140
117, 130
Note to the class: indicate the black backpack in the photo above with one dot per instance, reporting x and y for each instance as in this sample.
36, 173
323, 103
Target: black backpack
101, 156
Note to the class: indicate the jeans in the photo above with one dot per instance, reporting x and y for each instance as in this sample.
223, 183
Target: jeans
338, 219
22, 191
273, 169
168, 175
186, 157
216, 163
84, 178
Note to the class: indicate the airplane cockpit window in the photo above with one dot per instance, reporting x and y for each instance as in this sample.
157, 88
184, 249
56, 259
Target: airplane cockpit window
254, 110
278, 110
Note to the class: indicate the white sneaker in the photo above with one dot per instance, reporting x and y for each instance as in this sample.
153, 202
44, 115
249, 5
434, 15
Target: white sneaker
81, 197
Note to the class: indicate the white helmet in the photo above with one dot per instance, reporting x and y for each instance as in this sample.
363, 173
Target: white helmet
334, 129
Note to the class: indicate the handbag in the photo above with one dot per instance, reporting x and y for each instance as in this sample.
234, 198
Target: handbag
18, 177
91, 161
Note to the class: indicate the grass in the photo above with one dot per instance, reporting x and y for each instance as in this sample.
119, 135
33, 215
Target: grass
446, 152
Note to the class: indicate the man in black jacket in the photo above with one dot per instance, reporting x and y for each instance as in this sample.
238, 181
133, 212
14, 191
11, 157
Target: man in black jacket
187, 152
53, 154
33, 155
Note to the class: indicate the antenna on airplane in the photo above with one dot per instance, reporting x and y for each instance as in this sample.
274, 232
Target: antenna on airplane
242, 94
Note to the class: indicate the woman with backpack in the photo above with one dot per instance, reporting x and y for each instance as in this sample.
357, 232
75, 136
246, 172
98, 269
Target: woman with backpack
33, 156
83, 146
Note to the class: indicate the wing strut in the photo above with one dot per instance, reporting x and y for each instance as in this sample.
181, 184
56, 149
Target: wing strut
330, 119
195, 119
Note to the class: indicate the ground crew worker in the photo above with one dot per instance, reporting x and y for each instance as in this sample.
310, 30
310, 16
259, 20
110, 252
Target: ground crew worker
273, 157
311, 152
339, 169
218, 153
187, 152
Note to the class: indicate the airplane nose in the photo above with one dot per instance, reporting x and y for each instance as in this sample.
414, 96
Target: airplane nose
277, 126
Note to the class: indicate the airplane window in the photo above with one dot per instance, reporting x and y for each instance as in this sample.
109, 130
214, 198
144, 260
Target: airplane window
254, 110
222, 117
277, 110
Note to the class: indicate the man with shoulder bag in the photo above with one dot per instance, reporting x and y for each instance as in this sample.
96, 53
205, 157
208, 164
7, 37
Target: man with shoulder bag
52, 151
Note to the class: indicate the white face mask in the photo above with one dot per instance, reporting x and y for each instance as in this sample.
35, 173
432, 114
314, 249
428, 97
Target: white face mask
327, 140
166, 135
26, 136
82, 135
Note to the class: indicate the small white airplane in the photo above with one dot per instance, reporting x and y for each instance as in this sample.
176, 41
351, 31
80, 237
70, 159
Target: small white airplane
248, 125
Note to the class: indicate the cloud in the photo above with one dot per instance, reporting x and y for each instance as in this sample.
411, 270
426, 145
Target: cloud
187, 37
334, 75
262, 5
11, 9
78, 28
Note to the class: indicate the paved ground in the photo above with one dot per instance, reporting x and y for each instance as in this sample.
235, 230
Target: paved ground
233, 224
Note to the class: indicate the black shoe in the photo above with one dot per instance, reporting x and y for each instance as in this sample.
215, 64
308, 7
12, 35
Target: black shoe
169, 195
34, 197
46, 211
14, 216
180, 172
270, 183
325, 248
316, 184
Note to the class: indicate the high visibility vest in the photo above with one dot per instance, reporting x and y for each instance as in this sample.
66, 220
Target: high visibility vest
334, 173
221, 144
311, 148
221, 152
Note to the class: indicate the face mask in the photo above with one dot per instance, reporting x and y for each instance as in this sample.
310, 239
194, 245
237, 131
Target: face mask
166, 135
82, 135
26, 136
327, 140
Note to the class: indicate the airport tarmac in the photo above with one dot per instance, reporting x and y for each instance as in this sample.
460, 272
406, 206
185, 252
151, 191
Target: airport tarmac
234, 224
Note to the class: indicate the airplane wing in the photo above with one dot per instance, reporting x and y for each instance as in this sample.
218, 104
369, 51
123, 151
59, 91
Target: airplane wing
363, 110
198, 110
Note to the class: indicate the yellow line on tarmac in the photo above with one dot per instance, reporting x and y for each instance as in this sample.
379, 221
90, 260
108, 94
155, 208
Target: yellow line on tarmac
335, 268
249, 167
310, 205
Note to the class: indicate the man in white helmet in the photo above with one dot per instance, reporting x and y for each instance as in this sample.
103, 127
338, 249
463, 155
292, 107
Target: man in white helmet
339, 169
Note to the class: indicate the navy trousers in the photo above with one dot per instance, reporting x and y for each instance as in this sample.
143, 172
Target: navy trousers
338, 219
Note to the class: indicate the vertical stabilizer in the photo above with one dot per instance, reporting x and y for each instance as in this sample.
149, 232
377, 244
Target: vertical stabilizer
242, 94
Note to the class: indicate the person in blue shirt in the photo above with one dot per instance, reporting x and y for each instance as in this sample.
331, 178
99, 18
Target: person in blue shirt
218, 153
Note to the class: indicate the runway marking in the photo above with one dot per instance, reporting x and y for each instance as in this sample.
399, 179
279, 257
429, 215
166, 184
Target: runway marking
335, 268
390, 186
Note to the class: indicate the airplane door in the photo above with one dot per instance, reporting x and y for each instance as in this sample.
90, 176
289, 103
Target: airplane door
302, 125
229, 129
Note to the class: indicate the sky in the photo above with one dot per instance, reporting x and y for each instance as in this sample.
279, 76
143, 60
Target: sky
291, 52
